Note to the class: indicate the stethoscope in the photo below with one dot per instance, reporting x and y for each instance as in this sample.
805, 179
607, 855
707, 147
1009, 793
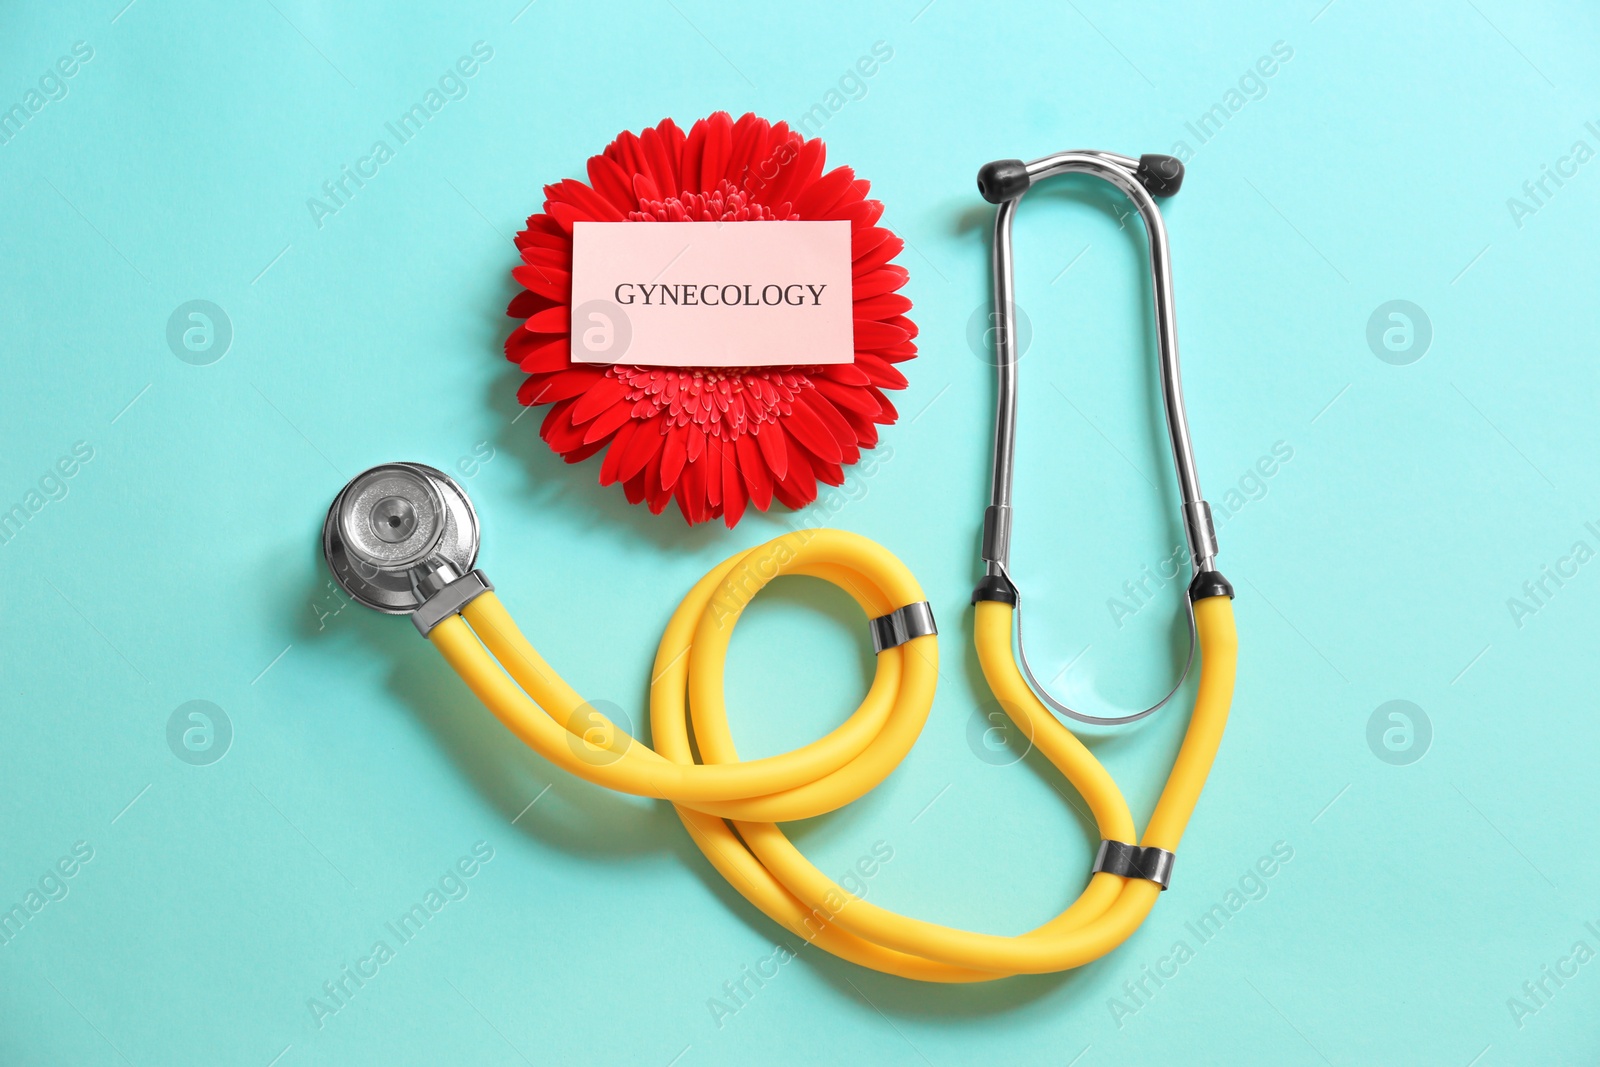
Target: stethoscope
403, 538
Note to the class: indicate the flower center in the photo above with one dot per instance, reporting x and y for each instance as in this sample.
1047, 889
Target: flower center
726, 203
725, 402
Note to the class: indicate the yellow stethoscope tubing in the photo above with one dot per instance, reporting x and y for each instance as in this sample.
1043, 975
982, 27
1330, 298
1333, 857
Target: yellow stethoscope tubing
731, 807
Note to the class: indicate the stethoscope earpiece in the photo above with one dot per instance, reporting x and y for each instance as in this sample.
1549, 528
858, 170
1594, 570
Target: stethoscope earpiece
1007, 179
398, 534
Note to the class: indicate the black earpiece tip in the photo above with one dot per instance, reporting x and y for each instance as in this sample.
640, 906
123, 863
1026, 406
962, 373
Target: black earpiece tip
1002, 180
1160, 175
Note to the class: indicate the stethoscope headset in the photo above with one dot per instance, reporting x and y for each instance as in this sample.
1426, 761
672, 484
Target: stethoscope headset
403, 538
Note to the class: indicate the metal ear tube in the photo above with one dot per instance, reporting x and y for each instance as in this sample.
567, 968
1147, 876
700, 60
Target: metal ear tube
1142, 180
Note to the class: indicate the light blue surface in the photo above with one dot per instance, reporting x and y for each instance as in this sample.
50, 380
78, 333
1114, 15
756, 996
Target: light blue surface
1375, 564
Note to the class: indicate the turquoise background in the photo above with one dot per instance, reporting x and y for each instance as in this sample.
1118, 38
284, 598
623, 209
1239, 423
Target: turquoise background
1375, 564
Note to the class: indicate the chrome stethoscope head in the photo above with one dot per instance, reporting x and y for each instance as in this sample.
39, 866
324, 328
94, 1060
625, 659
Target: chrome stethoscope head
1003, 183
402, 538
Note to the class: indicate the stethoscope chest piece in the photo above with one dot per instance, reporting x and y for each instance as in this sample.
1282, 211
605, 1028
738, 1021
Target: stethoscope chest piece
399, 533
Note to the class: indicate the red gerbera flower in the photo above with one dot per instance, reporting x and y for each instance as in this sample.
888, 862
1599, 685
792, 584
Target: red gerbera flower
718, 439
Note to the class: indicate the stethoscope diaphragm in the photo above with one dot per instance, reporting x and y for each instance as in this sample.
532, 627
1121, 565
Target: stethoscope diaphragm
397, 534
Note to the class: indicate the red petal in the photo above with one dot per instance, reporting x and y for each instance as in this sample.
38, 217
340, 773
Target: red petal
824, 193
718, 149
523, 304
889, 413
608, 423
766, 166
672, 138
579, 195
805, 427
774, 444
569, 384
872, 335
905, 324
691, 494
541, 256
550, 320
865, 240
624, 151
712, 462
843, 374
543, 232
558, 432
855, 212
611, 182
800, 488
605, 393
520, 343
674, 457
733, 498
656, 498
611, 466
753, 467
643, 447
566, 214
531, 390
852, 398
583, 452
644, 188
866, 430
883, 280
749, 147
633, 489
883, 374
660, 166
838, 427
882, 306
798, 173
546, 281
877, 256
546, 357
693, 150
